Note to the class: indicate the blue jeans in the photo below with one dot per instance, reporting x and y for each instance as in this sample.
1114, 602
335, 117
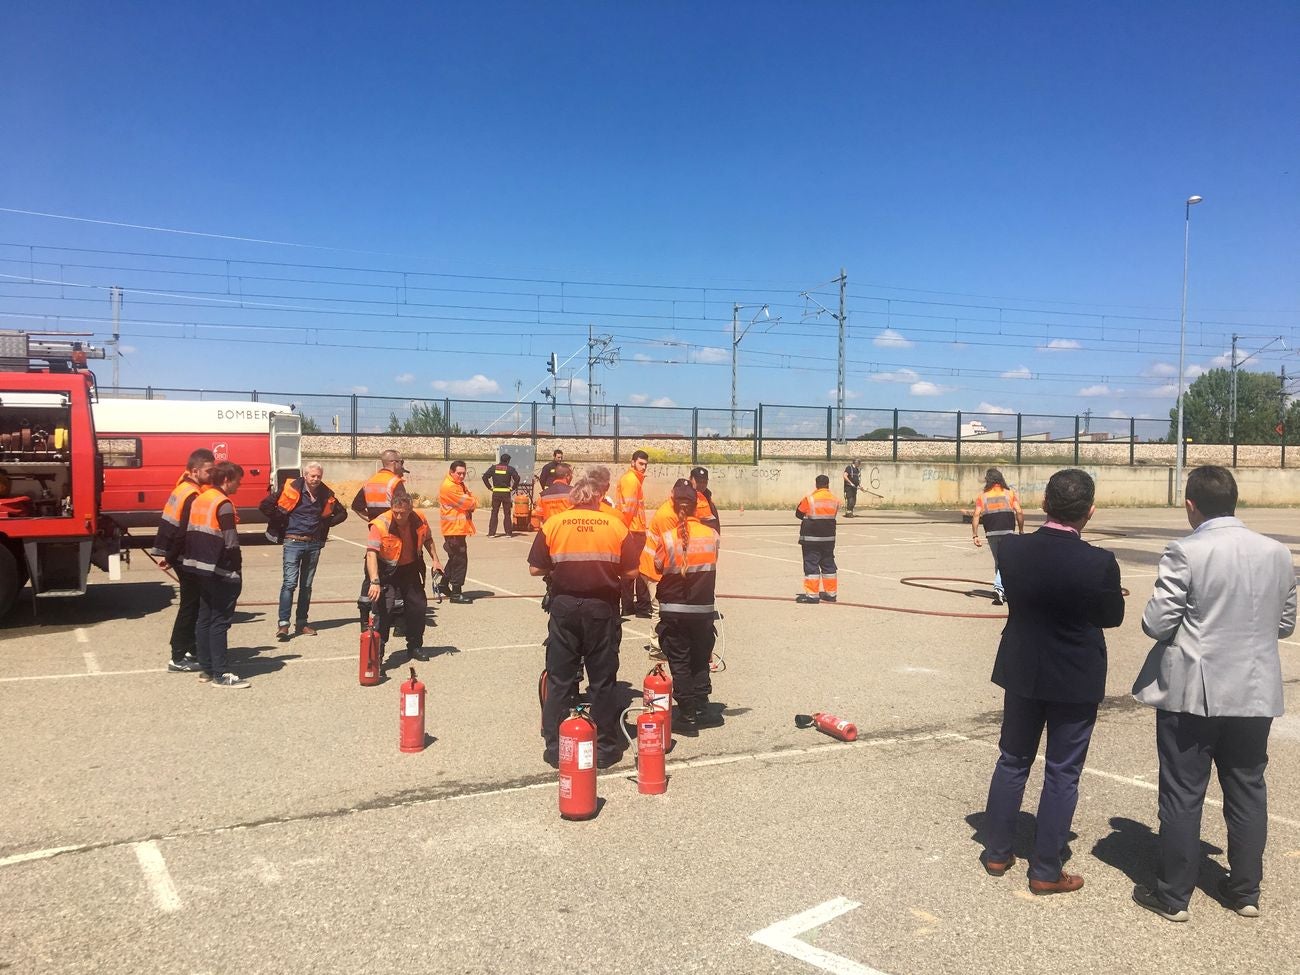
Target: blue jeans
300, 560
217, 599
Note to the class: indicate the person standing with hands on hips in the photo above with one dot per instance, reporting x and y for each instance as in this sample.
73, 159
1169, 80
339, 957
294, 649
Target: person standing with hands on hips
1224, 596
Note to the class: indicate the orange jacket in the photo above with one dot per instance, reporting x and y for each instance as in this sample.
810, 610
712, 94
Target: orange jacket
629, 499
456, 506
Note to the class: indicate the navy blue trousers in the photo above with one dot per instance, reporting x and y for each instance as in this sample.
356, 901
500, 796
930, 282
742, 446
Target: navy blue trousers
1069, 732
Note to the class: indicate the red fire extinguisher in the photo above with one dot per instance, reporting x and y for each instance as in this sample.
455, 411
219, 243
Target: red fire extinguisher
657, 692
829, 724
370, 673
651, 776
411, 715
577, 765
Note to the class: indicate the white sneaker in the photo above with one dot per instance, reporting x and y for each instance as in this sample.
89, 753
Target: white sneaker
229, 680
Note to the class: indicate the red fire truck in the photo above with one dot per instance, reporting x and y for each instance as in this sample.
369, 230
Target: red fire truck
146, 442
51, 529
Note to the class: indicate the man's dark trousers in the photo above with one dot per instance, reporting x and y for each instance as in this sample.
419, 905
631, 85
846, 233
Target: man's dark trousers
457, 550
1187, 743
1069, 731
502, 501
187, 614
635, 592
404, 584
583, 630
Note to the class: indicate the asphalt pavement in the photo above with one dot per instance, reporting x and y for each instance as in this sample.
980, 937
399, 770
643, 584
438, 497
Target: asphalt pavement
156, 824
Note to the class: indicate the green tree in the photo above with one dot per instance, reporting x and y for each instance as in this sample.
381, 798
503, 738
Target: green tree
886, 433
310, 426
426, 419
1207, 408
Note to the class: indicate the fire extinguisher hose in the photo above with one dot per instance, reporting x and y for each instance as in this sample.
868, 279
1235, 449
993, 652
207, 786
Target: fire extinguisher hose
622, 722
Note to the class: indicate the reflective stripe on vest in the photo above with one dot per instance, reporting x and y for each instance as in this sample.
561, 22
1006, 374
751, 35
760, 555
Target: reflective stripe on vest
206, 542
501, 470
455, 504
386, 543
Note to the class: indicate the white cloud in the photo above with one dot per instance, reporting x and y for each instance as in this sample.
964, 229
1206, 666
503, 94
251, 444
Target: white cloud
1061, 345
638, 399
477, 385
928, 389
991, 408
404, 378
1162, 392
127, 349
890, 339
1160, 370
641, 357
898, 376
361, 390
1194, 370
1118, 415
848, 394
1021, 372
710, 354
1223, 361
662, 401
1101, 389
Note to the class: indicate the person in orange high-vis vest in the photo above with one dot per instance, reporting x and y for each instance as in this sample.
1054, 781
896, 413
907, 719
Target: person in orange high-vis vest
212, 553
372, 499
395, 547
583, 553
555, 496
456, 506
686, 556
999, 509
168, 547
629, 500
817, 512
300, 517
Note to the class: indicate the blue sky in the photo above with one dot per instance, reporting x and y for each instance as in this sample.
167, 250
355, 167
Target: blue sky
1003, 184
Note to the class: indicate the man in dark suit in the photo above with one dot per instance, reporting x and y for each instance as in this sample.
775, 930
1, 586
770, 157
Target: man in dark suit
1052, 665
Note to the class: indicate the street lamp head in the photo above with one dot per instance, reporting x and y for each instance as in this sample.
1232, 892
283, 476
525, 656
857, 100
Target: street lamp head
1193, 200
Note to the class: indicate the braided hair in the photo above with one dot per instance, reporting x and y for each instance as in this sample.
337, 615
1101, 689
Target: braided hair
683, 507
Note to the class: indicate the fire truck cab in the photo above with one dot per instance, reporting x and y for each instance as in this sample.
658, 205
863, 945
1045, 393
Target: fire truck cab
50, 472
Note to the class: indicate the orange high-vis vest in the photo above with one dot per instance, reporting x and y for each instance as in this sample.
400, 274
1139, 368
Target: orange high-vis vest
170, 538
819, 511
552, 501
629, 499
688, 571
456, 507
386, 542
290, 495
380, 488
208, 547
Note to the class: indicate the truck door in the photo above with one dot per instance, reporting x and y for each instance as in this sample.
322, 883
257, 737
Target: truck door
286, 448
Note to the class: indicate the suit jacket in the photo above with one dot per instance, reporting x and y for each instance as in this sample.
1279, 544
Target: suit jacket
1224, 596
1060, 591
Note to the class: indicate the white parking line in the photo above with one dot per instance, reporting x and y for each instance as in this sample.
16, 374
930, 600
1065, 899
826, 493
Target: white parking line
783, 936
157, 876
81, 635
92, 665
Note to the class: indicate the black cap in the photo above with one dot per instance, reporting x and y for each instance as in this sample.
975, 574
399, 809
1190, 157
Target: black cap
682, 490
700, 473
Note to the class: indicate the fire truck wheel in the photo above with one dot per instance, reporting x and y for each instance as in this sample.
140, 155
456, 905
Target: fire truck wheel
11, 580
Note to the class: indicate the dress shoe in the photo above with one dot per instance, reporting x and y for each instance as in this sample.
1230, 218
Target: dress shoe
1066, 883
996, 868
1230, 901
460, 599
282, 633
551, 759
304, 630
1146, 897
608, 760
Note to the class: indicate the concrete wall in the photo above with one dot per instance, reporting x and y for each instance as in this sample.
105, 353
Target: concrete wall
780, 484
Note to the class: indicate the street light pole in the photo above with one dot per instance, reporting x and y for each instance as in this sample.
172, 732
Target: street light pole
1182, 346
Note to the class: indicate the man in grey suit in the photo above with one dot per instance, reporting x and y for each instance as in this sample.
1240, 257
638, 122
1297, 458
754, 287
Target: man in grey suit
1224, 596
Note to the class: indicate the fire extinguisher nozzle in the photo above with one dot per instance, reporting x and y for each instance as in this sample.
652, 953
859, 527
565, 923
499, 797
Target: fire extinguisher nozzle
803, 720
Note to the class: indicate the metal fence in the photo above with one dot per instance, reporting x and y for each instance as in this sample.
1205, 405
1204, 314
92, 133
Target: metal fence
772, 431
